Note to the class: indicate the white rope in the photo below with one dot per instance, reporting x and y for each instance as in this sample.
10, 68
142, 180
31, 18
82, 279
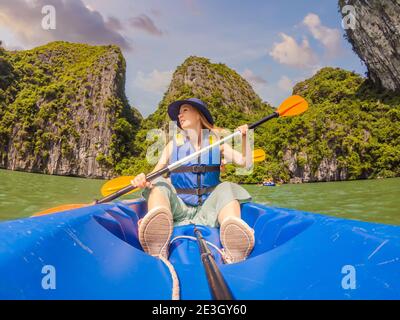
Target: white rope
171, 269
222, 253
174, 276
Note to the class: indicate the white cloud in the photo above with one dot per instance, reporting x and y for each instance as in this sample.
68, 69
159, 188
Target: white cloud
156, 12
291, 53
145, 23
155, 81
193, 6
315, 69
255, 80
5, 45
285, 83
330, 38
114, 23
75, 22
89, 7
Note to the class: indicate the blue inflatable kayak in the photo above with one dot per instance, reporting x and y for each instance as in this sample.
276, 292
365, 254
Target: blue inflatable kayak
94, 253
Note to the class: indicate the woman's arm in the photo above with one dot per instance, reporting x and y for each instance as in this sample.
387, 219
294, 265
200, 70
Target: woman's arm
236, 157
140, 180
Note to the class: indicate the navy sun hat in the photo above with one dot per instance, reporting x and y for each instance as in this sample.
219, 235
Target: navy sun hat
173, 109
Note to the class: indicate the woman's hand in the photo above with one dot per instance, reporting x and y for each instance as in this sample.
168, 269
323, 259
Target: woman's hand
140, 182
222, 165
243, 129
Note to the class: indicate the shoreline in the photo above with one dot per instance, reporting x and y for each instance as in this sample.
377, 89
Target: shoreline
252, 184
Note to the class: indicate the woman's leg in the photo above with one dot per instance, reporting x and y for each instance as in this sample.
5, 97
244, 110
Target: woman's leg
155, 229
236, 236
164, 207
222, 203
157, 198
232, 209
164, 194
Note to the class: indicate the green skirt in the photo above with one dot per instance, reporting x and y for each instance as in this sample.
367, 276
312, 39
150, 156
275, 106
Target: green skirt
206, 214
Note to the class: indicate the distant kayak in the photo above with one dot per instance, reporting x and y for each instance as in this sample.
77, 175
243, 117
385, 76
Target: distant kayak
269, 184
94, 253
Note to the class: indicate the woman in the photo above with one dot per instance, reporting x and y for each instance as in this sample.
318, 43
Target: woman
194, 193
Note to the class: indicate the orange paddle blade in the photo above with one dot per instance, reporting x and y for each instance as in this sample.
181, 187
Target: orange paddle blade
117, 184
64, 207
258, 155
292, 106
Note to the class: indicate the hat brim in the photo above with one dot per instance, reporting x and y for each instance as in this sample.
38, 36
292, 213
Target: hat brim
174, 107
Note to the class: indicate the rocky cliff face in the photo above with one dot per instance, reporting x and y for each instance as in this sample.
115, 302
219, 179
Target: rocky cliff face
215, 82
351, 131
230, 97
64, 111
376, 39
328, 169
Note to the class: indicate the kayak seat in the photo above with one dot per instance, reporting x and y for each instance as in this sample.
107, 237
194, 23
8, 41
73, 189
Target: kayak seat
273, 227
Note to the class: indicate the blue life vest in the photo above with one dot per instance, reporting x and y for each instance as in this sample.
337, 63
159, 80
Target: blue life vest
195, 180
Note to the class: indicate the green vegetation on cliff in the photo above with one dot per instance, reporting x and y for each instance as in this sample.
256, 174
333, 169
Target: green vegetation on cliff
52, 95
351, 131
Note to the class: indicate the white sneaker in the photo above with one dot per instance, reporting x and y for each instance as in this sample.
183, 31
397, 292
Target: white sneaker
237, 238
155, 230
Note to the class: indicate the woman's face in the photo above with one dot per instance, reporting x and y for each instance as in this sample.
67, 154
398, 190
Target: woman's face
188, 117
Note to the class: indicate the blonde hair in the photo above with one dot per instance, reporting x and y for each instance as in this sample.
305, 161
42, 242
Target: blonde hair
207, 125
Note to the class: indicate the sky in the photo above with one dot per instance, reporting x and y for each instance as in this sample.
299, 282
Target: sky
273, 44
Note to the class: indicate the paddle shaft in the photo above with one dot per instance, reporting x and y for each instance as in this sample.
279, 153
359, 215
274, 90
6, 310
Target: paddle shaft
180, 162
218, 286
269, 117
125, 190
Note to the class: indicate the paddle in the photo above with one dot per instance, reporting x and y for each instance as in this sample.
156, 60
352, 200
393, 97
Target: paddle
119, 183
258, 155
218, 286
292, 106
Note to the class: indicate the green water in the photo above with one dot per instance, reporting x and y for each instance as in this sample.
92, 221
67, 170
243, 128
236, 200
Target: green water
23, 194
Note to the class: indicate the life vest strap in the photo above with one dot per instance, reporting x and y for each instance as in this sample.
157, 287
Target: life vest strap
195, 191
197, 169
